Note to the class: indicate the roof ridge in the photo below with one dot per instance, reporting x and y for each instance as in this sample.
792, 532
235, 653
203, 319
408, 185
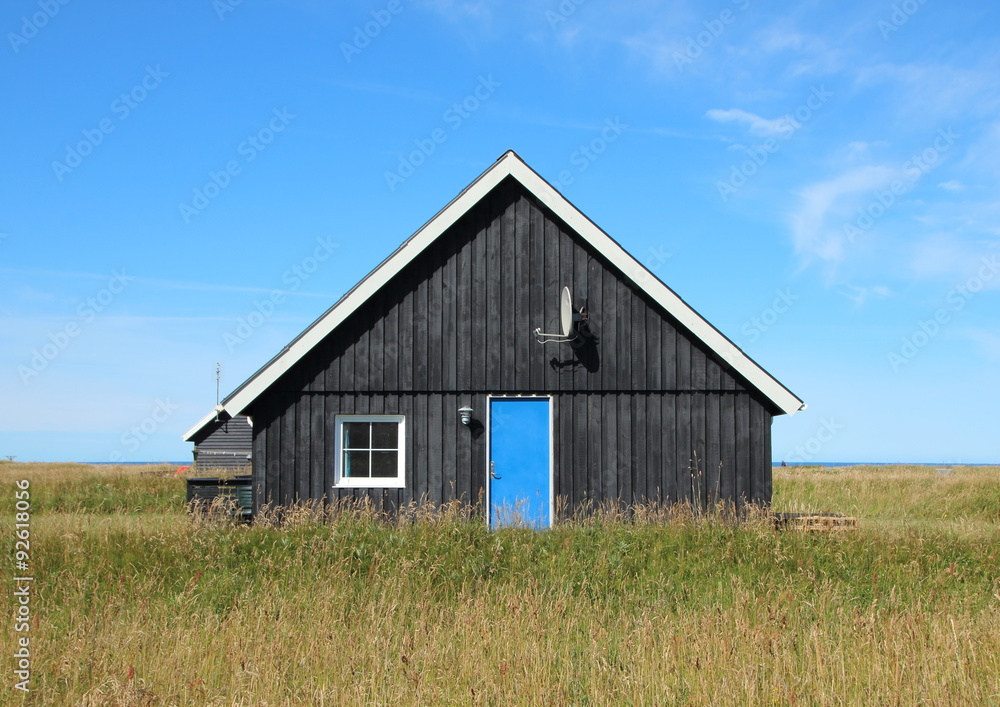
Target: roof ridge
509, 164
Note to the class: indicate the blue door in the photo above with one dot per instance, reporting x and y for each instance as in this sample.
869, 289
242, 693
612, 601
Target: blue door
520, 458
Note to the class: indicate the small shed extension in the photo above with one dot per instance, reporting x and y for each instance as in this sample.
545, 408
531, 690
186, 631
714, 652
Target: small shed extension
225, 444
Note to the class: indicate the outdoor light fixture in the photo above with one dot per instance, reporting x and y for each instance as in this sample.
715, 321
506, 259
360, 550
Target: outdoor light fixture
465, 415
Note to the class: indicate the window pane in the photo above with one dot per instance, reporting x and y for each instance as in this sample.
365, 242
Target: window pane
385, 435
356, 435
356, 465
385, 464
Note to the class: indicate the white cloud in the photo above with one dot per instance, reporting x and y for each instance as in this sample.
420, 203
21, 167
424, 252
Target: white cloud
930, 94
779, 38
812, 54
480, 9
857, 148
478, 22
952, 185
859, 152
656, 52
860, 295
818, 224
762, 127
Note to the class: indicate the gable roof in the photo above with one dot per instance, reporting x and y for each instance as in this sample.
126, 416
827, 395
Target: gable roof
509, 165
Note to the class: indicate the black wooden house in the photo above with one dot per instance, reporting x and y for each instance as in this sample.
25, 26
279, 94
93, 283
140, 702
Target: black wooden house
428, 382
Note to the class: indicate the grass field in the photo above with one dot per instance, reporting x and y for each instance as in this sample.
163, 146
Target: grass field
135, 604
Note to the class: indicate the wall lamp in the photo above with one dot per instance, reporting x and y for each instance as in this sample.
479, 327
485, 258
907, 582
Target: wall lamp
465, 415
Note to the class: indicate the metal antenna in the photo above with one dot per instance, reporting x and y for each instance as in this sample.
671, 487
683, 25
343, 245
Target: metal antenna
218, 377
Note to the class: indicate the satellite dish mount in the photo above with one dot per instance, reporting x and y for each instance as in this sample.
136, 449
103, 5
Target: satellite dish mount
570, 320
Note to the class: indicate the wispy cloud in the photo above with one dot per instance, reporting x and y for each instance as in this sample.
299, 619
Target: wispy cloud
62, 274
113, 319
761, 127
560, 123
596, 125
481, 21
809, 54
859, 295
817, 224
477, 9
931, 93
951, 257
155, 282
983, 157
670, 132
32, 294
215, 287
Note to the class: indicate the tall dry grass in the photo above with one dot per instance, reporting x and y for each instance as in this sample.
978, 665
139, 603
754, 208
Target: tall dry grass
151, 607
894, 495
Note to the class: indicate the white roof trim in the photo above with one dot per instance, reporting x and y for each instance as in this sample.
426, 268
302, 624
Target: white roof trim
205, 421
508, 165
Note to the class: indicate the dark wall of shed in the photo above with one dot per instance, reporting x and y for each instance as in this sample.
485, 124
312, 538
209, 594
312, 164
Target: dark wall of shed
225, 445
455, 325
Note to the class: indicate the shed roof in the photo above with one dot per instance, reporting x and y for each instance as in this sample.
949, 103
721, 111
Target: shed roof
509, 165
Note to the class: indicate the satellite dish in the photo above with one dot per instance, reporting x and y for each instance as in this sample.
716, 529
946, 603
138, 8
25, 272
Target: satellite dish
566, 311
567, 321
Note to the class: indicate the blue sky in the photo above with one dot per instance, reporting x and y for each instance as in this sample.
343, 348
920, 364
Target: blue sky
819, 180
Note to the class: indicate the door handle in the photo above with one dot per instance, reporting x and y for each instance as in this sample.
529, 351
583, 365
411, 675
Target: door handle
493, 474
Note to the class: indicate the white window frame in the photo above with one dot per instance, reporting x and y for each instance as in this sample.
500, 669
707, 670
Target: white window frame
397, 482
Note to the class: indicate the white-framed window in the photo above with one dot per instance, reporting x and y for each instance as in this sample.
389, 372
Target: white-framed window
370, 451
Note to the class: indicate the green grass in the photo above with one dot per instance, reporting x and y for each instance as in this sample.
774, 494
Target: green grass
136, 603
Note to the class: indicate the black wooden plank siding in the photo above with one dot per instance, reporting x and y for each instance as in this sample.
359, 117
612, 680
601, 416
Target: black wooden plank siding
586, 293
224, 445
629, 463
651, 416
